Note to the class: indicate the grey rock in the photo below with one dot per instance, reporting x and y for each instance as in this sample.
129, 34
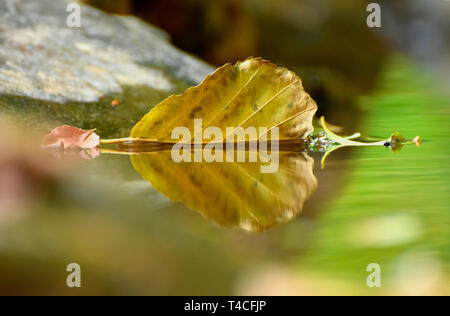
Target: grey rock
42, 58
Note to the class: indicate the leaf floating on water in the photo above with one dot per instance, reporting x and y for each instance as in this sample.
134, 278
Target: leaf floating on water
67, 137
234, 195
251, 93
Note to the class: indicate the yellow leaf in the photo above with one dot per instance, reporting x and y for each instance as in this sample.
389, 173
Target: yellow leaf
253, 93
234, 195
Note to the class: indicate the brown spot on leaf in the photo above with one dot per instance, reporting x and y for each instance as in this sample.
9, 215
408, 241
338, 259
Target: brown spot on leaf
195, 111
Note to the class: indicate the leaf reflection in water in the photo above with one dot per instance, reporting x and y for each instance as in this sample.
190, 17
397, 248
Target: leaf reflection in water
233, 195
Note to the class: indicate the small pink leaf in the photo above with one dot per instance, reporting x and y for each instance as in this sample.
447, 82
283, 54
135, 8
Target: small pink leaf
71, 137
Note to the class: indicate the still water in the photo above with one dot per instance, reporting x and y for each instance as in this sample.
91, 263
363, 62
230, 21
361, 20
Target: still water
145, 225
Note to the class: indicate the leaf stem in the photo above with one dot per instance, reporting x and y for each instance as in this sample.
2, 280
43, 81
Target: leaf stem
395, 142
116, 141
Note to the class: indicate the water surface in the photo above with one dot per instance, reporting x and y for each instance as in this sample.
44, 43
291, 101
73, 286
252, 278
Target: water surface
225, 229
